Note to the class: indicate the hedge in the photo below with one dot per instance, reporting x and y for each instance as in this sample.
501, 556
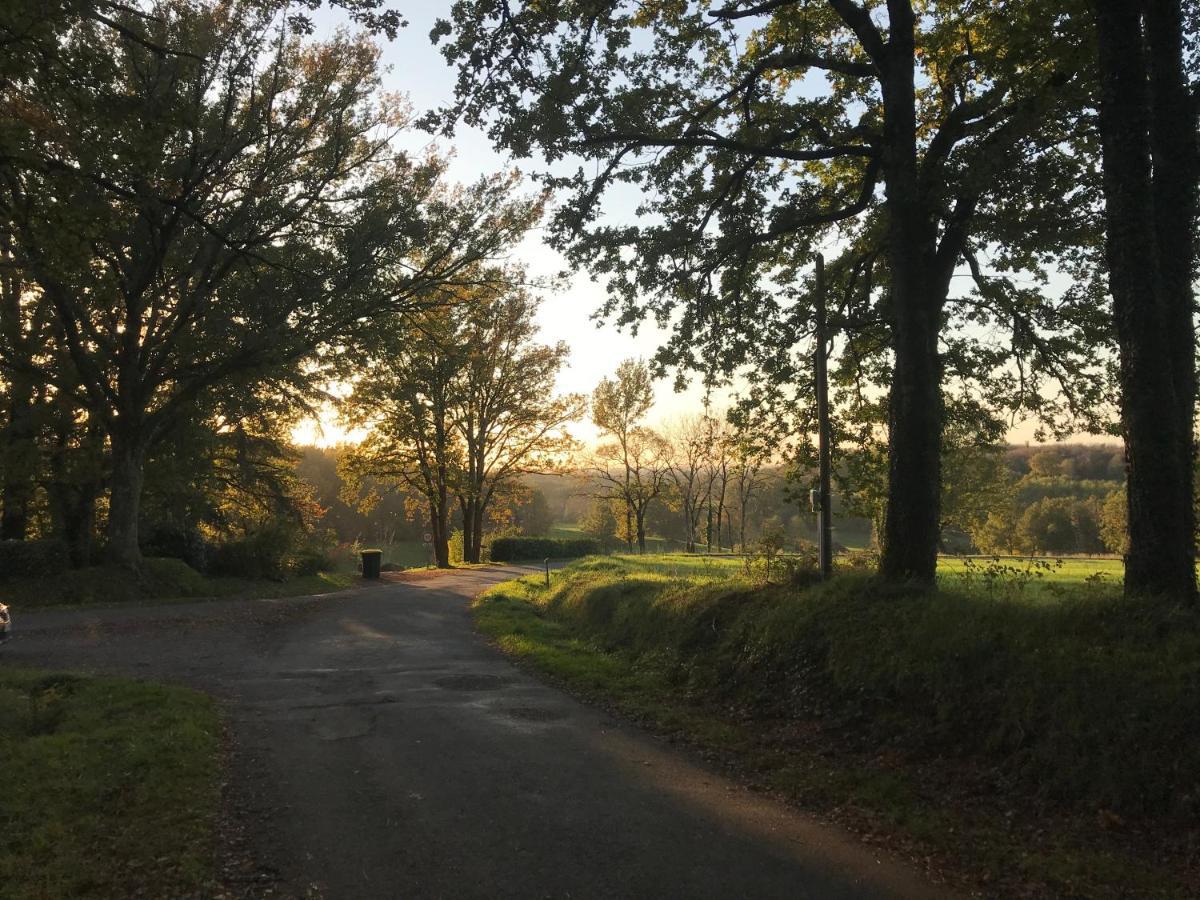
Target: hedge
22, 558
511, 549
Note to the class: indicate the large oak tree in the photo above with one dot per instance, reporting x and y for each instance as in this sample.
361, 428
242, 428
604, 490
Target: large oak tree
719, 145
204, 196
1148, 125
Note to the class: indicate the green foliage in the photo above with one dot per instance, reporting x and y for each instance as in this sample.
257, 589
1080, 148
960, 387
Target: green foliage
512, 549
1060, 525
267, 552
600, 522
111, 787
1114, 524
32, 558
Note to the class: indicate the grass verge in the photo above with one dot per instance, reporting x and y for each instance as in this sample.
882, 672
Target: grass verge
160, 581
1034, 748
110, 787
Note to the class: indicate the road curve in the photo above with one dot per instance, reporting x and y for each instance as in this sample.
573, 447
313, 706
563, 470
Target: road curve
381, 749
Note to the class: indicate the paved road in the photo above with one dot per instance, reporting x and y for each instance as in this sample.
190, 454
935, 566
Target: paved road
383, 749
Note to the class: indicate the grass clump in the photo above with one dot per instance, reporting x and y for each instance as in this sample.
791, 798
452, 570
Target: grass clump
110, 787
1072, 704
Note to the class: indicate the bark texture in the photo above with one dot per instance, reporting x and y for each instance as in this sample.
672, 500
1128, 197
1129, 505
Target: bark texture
1148, 138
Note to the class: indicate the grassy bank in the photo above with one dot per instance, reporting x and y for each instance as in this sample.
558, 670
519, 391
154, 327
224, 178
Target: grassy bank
1045, 747
110, 787
160, 581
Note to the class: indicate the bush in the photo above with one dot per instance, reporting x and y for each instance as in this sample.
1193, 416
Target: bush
310, 562
266, 553
512, 549
175, 542
33, 558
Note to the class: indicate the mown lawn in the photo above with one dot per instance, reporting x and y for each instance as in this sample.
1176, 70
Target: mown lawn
1035, 748
160, 581
108, 788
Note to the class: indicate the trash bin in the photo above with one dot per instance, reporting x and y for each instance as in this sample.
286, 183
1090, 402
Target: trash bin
372, 562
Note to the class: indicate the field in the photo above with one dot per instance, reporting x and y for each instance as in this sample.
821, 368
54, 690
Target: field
110, 787
976, 716
953, 571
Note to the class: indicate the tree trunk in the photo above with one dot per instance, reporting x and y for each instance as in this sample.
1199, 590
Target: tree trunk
477, 532
641, 529
125, 500
911, 530
1147, 130
440, 522
468, 520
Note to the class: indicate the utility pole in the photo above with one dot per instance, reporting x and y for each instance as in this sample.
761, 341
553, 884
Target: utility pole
824, 432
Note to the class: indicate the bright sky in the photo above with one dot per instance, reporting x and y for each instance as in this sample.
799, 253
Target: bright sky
419, 71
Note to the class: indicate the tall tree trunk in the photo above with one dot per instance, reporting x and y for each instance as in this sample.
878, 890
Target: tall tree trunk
911, 532
125, 500
477, 530
629, 536
468, 519
641, 529
440, 522
1148, 139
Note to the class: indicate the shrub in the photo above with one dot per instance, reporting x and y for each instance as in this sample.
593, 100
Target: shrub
265, 553
310, 562
33, 558
511, 549
176, 542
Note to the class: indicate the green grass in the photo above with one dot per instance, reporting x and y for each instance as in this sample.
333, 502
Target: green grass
1004, 573
110, 788
160, 581
987, 724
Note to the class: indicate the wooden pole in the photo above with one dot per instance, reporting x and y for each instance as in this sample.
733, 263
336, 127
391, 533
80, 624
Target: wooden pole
824, 432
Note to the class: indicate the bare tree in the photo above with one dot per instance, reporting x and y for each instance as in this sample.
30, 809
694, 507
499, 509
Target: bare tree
634, 471
687, 458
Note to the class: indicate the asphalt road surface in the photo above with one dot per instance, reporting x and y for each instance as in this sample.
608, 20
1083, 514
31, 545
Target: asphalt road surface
381, 748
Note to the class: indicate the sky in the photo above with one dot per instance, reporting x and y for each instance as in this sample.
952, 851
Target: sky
416, 68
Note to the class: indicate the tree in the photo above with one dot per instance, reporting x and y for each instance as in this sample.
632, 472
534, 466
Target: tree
618, 404
1060, 525
755, 132
201, 195
600, 522
404, 395
634, 472
1151, 165
688, 450
461, 403
503, 405
534, 516
978, 485
716, 474
748, 479
1114, 526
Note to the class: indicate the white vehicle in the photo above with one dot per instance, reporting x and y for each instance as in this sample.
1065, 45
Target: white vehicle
5, 624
